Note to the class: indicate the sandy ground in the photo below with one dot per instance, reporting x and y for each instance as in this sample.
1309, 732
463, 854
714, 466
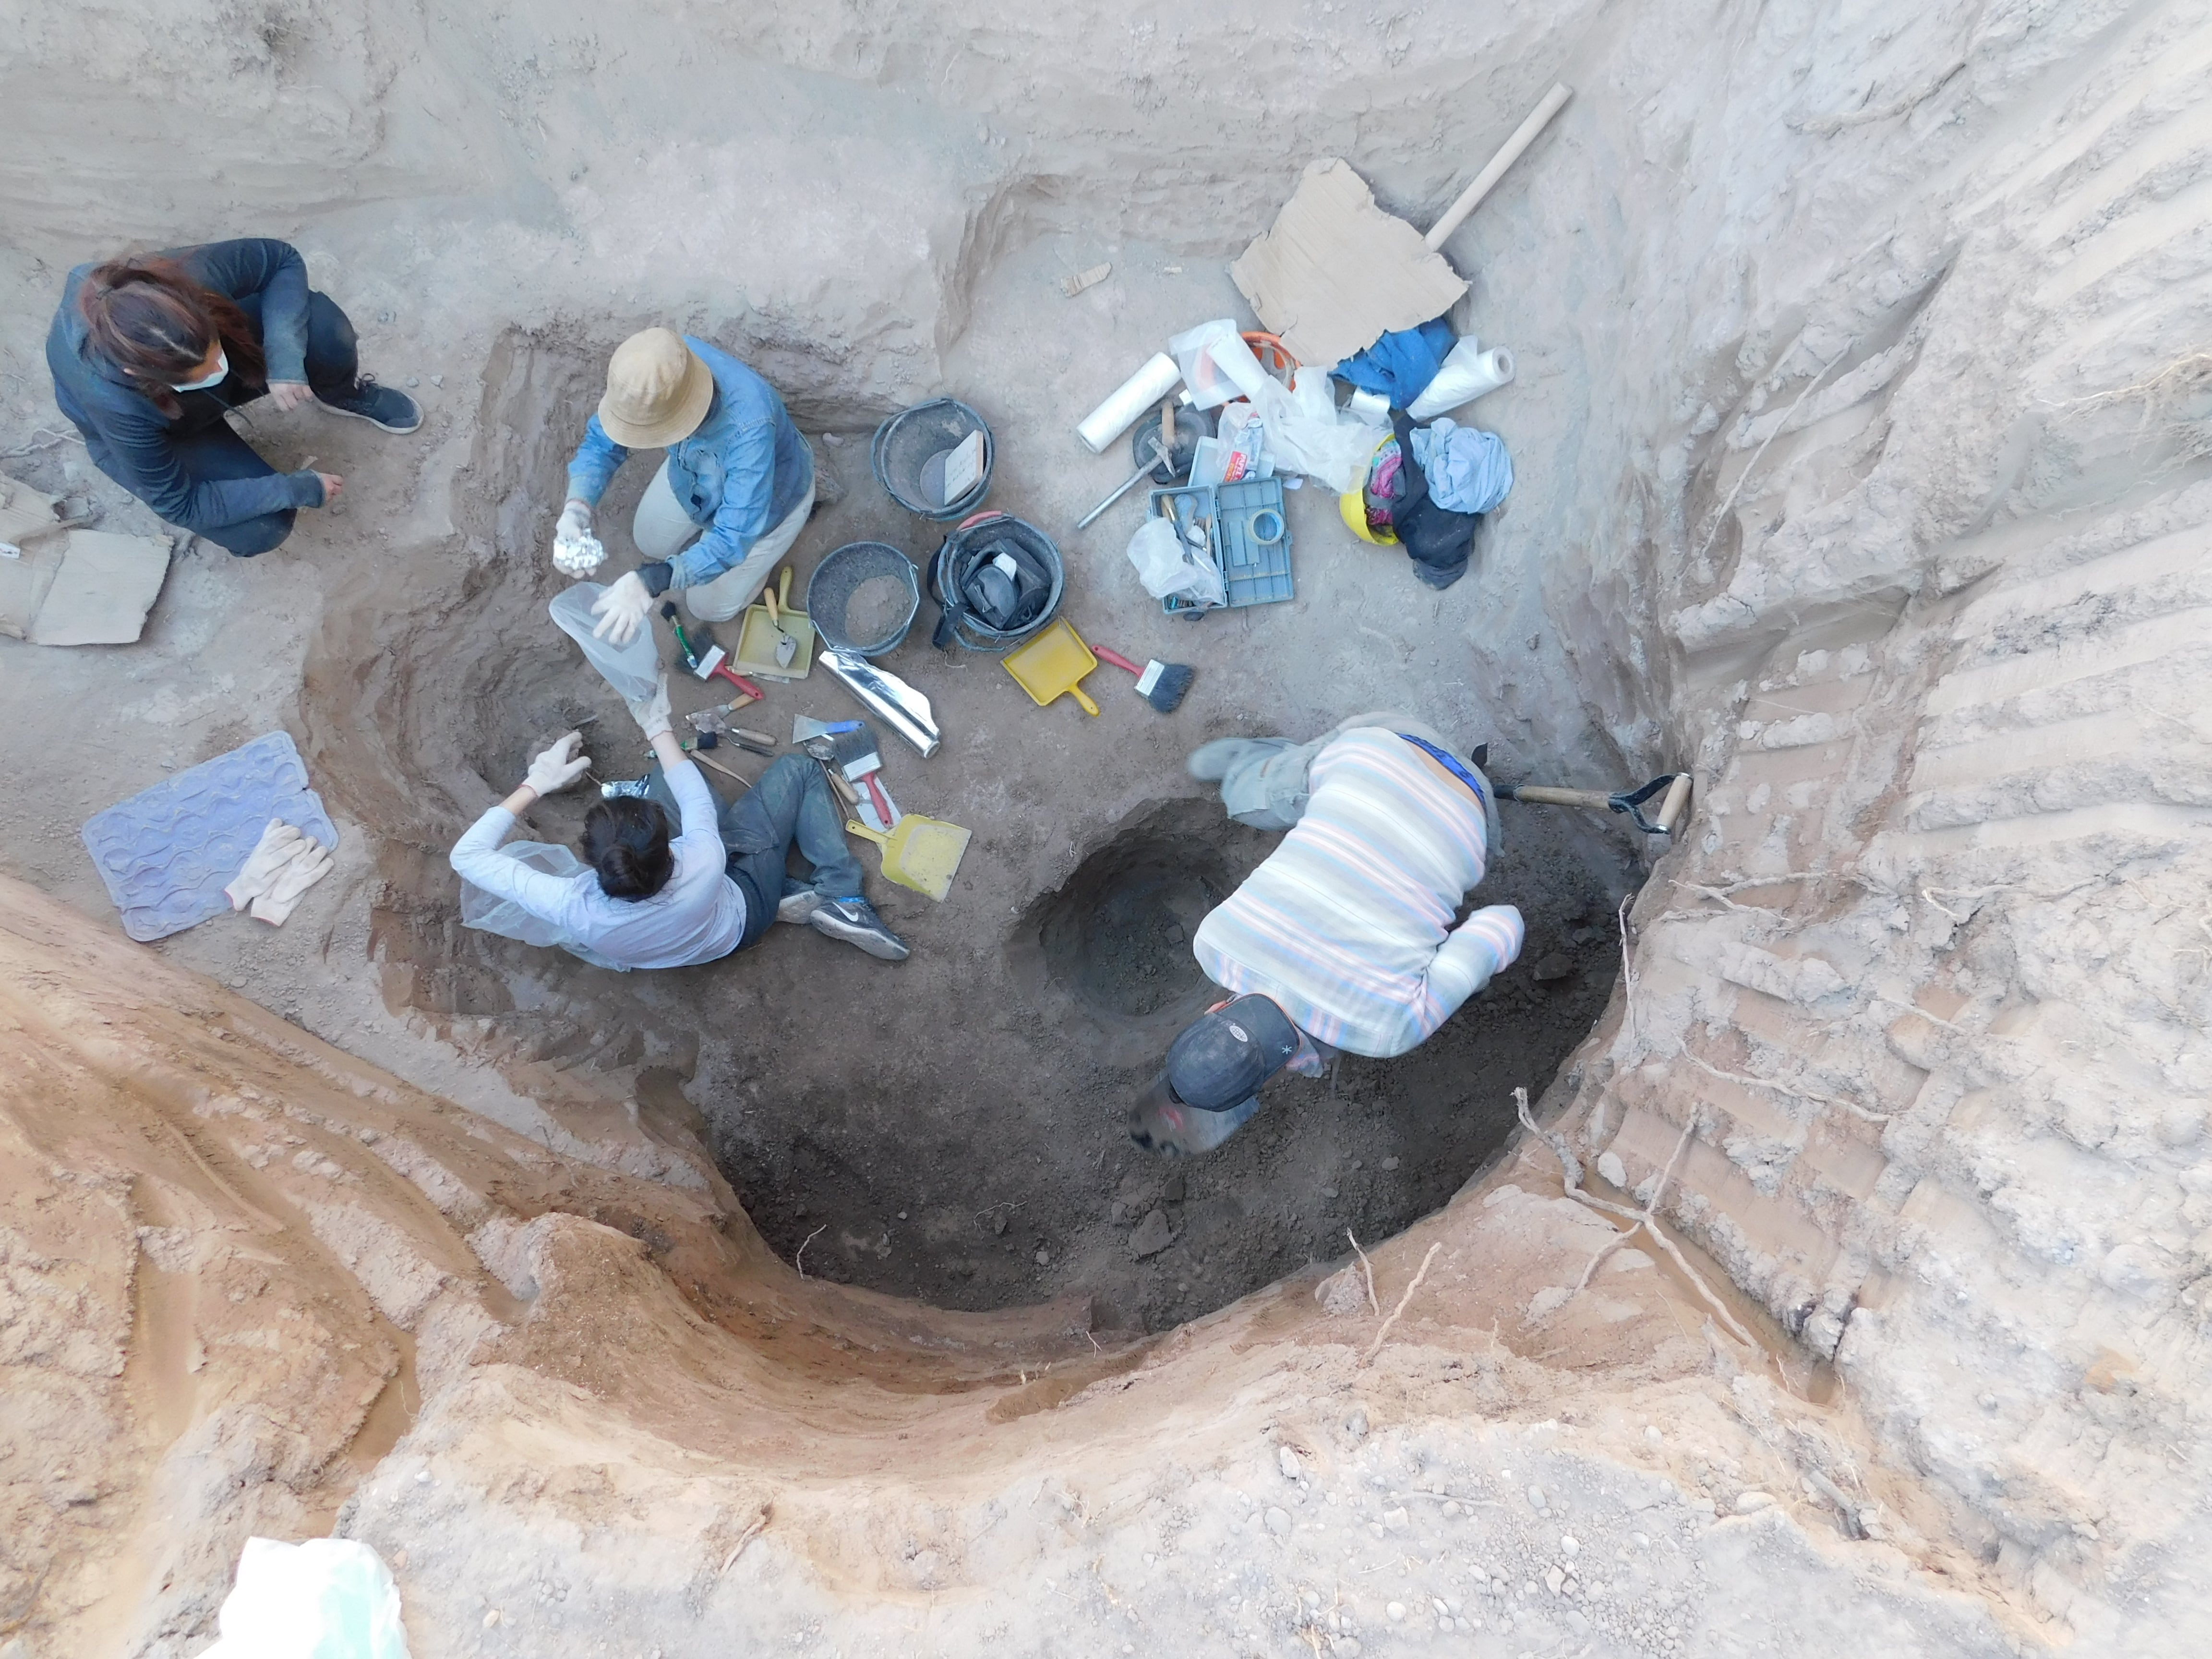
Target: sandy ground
1860, 457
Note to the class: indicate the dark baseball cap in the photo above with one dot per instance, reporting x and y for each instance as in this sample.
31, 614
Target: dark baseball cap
1219, 1060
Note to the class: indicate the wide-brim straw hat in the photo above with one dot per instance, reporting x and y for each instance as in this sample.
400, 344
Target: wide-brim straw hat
657, 391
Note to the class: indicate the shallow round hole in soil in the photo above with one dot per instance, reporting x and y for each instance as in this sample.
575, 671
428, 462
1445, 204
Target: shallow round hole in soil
1117, 936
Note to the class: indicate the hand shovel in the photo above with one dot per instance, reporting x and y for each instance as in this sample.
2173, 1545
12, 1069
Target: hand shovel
786, 646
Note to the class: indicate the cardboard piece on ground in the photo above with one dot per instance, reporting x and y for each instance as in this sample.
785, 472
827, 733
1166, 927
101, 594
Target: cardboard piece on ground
1336, 273
102, 589
29, 528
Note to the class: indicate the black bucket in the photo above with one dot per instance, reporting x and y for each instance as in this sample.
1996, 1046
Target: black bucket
994, 539
905, 444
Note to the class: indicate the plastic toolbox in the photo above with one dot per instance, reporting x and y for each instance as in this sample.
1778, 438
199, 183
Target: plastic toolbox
1248, 534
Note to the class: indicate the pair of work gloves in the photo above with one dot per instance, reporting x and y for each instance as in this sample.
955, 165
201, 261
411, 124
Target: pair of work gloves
623, 608
563, 761
283, 864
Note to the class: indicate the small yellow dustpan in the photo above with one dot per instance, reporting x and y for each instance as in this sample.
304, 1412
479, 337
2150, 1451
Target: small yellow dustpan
923, 853
1054, 661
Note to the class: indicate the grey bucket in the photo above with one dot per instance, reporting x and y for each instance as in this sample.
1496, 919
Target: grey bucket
830, 593
904, 443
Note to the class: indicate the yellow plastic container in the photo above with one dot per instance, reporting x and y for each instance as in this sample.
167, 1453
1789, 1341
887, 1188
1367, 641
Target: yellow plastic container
1054, 661
922, 853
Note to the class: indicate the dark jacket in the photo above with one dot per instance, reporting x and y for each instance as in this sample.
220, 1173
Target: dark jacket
134, 443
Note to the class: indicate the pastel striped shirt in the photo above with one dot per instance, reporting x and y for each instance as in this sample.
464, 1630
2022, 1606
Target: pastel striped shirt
1348, 924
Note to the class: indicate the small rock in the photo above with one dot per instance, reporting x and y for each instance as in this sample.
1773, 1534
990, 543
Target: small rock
1438, 1603
1278, 1522
1396, 1520
1153, 1235
437, 380
1653, 1435
833, 441
998, 1222
1553, 1579
1610, 1166
413, 381
1556, 966
1043, 1257
1356, 1425
422, 1477
1451, 1509
1750, 1503
1287, 1462
1536, 1498
1389, 1163
1568, 1545
901, 1215
1328, 1192
1172, 1189
1396, 1610
491, 1619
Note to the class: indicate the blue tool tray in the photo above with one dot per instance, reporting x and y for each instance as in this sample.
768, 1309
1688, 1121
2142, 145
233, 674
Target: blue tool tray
1256, 571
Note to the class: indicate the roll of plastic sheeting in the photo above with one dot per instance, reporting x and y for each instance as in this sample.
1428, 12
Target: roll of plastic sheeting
1467, 373
1140, 392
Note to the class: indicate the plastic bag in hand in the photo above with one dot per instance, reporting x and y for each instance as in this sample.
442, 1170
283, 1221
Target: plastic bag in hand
634, 670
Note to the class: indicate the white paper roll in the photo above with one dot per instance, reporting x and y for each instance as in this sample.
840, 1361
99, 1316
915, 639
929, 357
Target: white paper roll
1140, 391
1464, 376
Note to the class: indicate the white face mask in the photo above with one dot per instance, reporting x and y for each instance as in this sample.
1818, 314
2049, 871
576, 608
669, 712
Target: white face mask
221, 374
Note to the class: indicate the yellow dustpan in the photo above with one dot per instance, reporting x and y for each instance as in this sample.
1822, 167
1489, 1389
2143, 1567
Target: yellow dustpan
1054, 661
923, 853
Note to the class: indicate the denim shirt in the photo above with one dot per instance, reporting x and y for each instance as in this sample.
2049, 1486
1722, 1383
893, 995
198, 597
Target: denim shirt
739, 475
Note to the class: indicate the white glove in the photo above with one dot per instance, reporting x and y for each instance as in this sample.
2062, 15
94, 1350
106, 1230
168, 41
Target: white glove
651, 713
310, 862
576, 552
621, 610
563, 761
271, 853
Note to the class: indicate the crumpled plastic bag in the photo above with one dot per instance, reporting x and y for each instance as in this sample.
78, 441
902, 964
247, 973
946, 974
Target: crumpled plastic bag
328, 1598
1217, 365
1307, 433
634, 670
1167, 564
489, 914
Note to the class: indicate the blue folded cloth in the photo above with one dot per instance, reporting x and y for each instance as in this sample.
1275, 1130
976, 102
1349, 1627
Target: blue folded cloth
1401, 363
1467, 468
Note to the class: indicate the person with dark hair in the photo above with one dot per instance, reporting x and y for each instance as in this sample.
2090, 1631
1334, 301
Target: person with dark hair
1344, 938
149, 353
647, 901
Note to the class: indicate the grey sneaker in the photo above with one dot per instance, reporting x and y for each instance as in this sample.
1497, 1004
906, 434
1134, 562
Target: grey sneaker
799, 904
379, 405
855, 921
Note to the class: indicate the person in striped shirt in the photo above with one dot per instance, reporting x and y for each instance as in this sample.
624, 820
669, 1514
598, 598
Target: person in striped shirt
1344, 936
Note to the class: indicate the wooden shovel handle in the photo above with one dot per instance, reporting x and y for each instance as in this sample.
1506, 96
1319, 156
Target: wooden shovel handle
1597, 799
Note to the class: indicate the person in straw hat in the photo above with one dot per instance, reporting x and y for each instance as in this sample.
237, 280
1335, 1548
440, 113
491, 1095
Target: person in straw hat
731, 495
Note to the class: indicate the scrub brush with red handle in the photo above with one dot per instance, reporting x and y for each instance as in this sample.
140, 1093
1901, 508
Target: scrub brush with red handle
1163, 684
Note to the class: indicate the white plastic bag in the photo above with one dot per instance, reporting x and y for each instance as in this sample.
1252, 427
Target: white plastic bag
1217, 365
329, 1598
1306, 433
634, 670
1467, 372
1167, 564
487, 913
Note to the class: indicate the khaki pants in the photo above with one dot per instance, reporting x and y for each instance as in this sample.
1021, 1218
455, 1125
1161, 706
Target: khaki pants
662, 529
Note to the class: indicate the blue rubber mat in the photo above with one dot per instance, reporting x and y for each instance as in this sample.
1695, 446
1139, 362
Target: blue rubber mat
167, 852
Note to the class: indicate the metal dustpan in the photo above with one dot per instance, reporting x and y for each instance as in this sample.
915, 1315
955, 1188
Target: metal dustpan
756, 638
1054, 661
922, 853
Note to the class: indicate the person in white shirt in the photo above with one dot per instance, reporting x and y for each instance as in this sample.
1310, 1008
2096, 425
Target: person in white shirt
651, 899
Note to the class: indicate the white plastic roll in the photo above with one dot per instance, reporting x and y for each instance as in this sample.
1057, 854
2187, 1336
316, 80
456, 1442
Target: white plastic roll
1464, 377
1140, 392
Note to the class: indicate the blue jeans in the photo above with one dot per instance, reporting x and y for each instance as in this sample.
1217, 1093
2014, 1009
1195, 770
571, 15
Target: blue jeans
789, 805
216, 452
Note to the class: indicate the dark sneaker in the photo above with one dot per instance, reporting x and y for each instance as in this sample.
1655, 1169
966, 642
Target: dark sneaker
799, 904
379, 405
855, 921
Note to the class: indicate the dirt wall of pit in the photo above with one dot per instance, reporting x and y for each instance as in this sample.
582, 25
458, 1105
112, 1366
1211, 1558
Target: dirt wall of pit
1861, 456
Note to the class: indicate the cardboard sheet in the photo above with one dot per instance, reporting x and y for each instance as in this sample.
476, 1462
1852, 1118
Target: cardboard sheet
1336, 273
102, 591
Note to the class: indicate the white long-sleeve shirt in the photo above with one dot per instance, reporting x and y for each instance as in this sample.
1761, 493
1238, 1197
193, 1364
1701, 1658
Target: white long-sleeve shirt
1347, 924
698, 917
